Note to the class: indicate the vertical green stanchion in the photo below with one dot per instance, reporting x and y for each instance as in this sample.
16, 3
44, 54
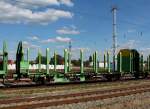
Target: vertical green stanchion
108, 62
55, 60
93, 60
99, 66
130, 62
69, 61
28, 60
65, 59
149, 62
81, 64
28, 55
5, 58
120, 62
104, 61
82, 76
22, 57
47, 61
39, 59
142, 67
96, 63
92, 63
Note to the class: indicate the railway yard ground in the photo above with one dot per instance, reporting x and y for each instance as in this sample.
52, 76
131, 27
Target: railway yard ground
132, 94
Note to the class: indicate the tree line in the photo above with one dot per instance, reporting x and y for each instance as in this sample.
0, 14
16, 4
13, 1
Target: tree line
60, 60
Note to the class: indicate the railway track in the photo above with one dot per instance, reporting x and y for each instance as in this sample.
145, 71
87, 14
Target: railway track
46, 101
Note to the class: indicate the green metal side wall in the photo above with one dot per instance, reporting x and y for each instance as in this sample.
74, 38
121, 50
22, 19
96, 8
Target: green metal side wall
130, 60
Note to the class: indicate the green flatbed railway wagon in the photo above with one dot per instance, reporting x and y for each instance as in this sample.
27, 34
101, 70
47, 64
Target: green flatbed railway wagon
129, 62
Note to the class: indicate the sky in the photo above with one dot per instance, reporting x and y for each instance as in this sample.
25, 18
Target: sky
42, 24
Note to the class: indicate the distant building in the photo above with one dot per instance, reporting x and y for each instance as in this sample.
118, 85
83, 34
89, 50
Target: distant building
9, 61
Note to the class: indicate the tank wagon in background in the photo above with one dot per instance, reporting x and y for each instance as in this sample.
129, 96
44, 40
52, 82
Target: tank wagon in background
129, 62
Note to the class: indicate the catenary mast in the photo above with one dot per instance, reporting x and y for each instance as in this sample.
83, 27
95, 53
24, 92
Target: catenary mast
114, 12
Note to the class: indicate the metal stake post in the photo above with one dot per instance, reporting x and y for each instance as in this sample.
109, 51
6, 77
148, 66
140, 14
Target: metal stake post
120, 61
28, 60
66, 59
69, 61
5, 57
104, 61
81, 64
142, 67
149, 63
55, 60
93, 57
96, 70
108, 61
39, 59
47, 61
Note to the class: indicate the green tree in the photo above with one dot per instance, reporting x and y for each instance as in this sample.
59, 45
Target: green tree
90, 58
76, 62
59, 60
43, 60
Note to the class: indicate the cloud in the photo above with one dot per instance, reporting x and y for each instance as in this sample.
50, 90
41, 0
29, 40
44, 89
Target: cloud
131, 31
130, 44
41, 3
68, 31
28, 45
33, 38
145, 51
57, 39
82, 48
61, 39
11, 13
60, 46
67, 2
76, 52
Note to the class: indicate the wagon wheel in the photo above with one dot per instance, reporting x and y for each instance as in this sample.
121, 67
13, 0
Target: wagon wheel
136, 75
144, 75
